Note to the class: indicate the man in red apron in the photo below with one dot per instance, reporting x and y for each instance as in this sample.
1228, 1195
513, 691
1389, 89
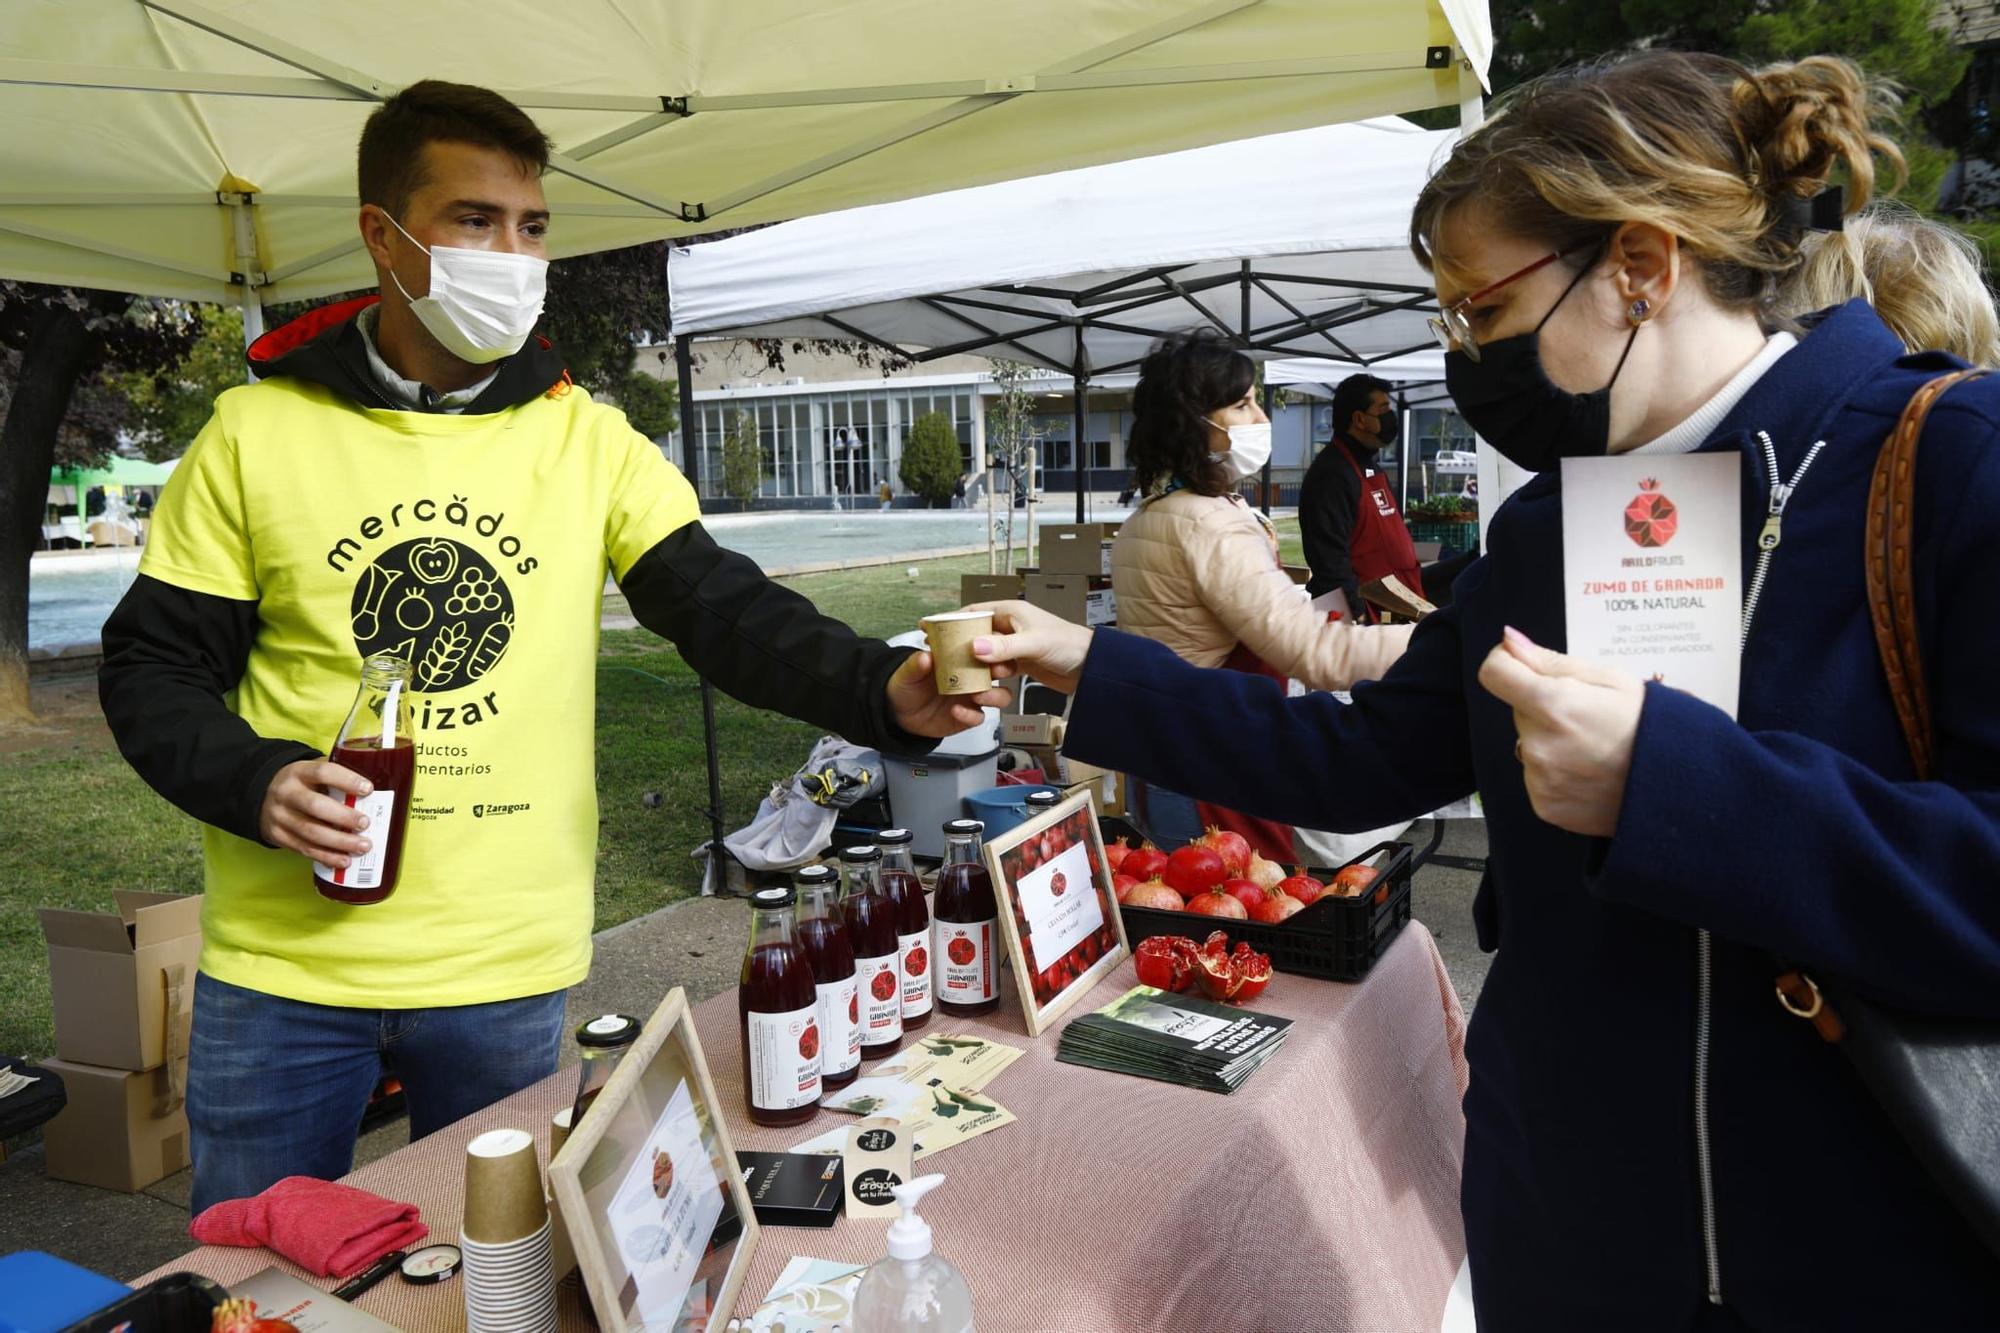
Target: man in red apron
1353, 531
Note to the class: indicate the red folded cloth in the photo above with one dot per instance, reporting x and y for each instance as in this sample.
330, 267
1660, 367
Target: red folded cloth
329, 1228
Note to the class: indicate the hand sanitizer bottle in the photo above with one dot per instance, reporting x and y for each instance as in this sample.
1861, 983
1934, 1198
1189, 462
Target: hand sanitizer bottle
913, 1290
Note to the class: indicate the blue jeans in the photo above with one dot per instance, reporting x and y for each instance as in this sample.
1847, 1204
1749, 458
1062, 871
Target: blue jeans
277, 1087
1168, 818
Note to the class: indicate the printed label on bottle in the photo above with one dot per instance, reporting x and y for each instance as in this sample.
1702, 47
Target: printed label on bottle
966, 974
881, 982
839, 1026
364, 871
917, 960
784, 1059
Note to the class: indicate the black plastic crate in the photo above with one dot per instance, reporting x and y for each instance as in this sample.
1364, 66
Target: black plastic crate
176, 1303
1337, 939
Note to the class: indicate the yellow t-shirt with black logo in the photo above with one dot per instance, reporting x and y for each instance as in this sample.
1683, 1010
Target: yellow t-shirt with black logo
477, 547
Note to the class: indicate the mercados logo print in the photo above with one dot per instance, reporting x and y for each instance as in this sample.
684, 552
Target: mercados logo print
431, 585
437, 603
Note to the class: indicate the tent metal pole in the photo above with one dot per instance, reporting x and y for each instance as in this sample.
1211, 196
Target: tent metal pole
691, 466
1080, 380
243, 232
1264, 478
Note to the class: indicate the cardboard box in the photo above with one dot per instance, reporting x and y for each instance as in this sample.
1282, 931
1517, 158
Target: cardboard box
988, 588
1081, 599
121, 1130
1077, 548
123, 984
1031, 729
1073, 775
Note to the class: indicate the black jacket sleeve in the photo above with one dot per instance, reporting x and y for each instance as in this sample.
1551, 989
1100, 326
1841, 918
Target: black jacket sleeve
170, 655
1329, 501
764, 644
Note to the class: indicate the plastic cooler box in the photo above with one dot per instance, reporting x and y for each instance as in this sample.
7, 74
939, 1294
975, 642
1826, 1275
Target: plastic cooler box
925, 793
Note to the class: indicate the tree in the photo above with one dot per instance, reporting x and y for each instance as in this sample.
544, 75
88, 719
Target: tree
931, 462
1010, 433
171, 405
66, 346
651, 404
742, 458
600, 307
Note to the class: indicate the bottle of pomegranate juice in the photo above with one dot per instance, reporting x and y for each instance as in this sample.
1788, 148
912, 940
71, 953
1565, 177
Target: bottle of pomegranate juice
967, 926
779, 1007
377, 742
878, 962
830, 954
913, 924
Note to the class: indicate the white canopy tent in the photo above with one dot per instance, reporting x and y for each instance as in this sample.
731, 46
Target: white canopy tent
1295, 245
206, 151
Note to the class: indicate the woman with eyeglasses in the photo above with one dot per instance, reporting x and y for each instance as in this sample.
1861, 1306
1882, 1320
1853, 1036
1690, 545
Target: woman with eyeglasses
1652, 1141
1196, 568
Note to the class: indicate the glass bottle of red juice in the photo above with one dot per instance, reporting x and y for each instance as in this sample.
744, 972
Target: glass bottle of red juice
377, 742
779, 1006
968, 939
878, 962
830, 954
913, 924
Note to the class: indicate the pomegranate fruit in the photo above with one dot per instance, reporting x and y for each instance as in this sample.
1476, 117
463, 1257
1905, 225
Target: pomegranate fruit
1194, 869
1154, 894
1217, 903
1164, 962
1266, 874
1302, 886
1122, 883
1115, 853
1353, 881
1233, 848
1230, 976
1275, 907
1245, 892
1144, 863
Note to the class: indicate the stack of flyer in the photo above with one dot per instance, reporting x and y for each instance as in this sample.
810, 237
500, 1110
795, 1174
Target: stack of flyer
1174, 1038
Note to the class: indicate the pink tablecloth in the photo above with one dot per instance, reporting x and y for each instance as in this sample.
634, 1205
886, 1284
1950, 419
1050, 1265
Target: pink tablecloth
1323, 1195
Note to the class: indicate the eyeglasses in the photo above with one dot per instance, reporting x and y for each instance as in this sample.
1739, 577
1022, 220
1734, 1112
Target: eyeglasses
1449, 325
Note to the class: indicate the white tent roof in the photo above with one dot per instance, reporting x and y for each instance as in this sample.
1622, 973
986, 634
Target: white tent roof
185, 149
1318, 217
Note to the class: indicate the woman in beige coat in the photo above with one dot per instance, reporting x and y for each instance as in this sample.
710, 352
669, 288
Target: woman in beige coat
1197, 568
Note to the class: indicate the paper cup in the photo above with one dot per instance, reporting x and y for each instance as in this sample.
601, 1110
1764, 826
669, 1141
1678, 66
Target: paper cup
503, 1188
559, 1128
951, 636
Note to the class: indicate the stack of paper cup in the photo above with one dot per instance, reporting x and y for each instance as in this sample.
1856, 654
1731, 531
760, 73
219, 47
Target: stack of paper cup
509, 1277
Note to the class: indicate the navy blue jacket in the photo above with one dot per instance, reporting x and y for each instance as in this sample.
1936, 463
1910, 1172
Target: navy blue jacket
1800, 831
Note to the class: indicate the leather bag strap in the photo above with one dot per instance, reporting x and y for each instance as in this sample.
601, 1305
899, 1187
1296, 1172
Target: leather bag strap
1892, 599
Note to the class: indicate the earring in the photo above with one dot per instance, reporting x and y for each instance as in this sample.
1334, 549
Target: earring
1637, 314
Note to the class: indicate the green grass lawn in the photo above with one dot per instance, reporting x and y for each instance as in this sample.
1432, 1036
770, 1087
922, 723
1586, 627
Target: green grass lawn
76, 823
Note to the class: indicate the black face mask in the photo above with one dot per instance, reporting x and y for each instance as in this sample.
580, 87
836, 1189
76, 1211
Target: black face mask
1386, 427
1510, 401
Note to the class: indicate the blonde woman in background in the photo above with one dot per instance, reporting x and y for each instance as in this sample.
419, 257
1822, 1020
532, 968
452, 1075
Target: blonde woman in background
1925, 278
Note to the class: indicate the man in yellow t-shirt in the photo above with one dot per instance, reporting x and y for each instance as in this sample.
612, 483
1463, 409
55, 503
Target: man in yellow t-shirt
415, 475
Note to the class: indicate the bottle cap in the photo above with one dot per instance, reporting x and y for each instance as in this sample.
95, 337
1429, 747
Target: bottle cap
778, 895
962, 827
861, 854
910, 1235
608, 1030
892, 837
807, 877
1044, 799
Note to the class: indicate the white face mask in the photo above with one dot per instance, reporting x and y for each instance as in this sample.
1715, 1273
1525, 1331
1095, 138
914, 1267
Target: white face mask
482, 303
1249, 450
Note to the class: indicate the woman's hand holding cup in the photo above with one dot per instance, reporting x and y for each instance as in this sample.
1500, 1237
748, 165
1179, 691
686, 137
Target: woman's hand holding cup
1032, 642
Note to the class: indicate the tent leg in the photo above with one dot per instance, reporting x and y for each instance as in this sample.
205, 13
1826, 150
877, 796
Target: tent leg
691, 466
1080, 382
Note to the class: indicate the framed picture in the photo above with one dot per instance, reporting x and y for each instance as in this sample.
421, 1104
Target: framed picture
650, 1192
1058, 911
